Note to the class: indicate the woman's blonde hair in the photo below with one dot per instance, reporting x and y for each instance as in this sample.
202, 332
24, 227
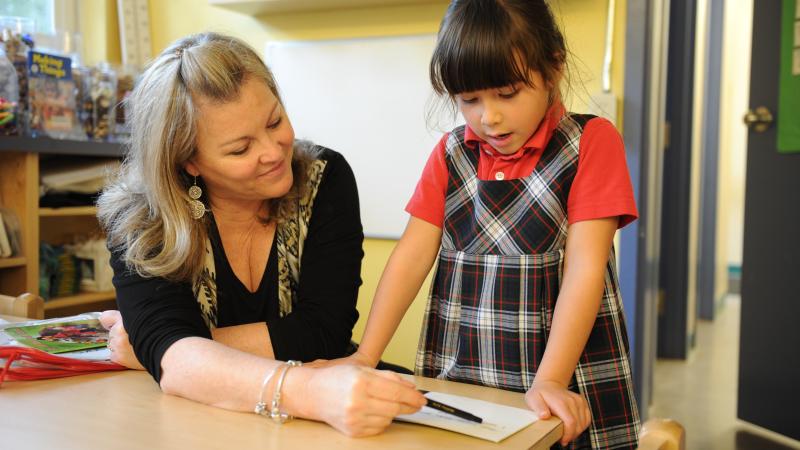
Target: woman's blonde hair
145, 210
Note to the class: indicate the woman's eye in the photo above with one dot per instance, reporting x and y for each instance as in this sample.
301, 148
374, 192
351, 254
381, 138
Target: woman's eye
468, 100
275, 124
241, 151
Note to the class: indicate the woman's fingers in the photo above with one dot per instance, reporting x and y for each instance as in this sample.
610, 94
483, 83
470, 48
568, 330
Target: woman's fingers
109, 318
369, 399
393, 376
118, 341
390, 386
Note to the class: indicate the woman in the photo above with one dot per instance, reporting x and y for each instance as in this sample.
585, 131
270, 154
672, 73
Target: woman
235, 247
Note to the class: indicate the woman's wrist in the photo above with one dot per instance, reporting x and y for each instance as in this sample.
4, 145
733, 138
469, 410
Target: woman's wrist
297, 398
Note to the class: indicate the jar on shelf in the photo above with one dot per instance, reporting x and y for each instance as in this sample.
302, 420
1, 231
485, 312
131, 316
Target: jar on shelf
15, 34
99, 94
126, 79
9, 96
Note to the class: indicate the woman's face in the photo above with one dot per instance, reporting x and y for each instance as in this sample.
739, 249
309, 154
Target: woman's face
244, 147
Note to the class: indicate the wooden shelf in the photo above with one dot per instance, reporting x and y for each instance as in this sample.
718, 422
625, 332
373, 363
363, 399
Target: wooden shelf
16, 261
258, 7
82, 298
68, 211
60, 146
20, 161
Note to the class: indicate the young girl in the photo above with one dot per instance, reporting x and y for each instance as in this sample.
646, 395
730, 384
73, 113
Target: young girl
521, 206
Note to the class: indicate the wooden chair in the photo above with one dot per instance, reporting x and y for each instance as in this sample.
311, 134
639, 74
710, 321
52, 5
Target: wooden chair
662, 434
26, 305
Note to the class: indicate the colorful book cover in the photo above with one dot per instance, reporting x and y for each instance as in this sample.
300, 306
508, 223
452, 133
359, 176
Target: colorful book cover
61, 337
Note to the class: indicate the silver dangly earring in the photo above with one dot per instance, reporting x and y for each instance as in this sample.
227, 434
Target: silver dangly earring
197, 208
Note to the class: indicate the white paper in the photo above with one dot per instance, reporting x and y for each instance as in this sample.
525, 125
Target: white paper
499, 421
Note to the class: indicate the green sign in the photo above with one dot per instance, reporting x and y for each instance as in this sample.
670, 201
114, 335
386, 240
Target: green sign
789, 94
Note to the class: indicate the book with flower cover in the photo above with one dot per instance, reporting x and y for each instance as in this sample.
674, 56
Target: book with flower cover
74, 345
61, 337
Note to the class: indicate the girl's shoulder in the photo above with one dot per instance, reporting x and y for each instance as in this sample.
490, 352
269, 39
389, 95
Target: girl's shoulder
590, 123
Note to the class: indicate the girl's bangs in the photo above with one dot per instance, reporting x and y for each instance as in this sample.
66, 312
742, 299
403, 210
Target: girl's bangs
476, 65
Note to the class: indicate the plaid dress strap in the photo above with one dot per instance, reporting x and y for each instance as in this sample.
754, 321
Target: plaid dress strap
497, 280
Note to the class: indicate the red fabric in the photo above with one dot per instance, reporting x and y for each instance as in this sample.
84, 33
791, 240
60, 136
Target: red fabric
25, 363
602, 186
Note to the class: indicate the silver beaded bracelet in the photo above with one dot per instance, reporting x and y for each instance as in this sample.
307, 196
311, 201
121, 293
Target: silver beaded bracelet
275, 411
261, 406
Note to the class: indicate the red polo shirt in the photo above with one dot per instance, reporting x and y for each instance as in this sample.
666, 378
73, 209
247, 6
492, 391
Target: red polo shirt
601, 188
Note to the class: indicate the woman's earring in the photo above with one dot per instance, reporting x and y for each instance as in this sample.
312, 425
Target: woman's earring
197, 208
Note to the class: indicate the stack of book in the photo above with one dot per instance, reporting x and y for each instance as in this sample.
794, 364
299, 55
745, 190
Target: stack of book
54, 348
9, 234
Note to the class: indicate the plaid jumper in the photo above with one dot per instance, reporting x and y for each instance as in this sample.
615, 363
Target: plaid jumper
498, 277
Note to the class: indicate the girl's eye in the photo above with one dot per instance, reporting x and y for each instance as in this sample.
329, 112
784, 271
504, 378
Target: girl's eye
510, 93
468, 100
275, 124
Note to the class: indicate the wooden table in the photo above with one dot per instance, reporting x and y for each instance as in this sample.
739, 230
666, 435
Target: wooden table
126, 410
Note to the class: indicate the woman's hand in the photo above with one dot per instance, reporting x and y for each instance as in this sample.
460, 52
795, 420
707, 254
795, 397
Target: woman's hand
118, 342
549, 397
359, 401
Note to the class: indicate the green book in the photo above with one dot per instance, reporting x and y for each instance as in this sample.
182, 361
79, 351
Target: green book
61, 337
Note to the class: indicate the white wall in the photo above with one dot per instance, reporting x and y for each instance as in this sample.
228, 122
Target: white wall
370, 105
734, 100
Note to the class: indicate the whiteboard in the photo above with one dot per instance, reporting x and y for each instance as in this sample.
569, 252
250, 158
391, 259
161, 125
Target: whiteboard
367, 99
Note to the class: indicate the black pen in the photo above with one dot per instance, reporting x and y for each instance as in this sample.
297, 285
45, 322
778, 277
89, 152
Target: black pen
450, 410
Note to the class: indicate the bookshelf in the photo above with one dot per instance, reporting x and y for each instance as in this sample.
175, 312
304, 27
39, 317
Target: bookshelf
19, 192
71, 211
13, 262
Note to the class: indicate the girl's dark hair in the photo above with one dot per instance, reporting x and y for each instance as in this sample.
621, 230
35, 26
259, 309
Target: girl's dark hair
486, 44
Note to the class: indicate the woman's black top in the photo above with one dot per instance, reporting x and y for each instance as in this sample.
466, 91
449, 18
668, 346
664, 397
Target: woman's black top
157, 312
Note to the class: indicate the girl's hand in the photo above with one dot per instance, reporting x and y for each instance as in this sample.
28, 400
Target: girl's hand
359, 401
118, 342
549, 397
356, 359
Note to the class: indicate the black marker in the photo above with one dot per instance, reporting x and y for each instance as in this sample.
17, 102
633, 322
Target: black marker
451, 410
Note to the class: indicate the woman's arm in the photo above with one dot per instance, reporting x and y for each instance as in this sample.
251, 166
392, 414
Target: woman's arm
250, 338
587, 252
409, 264
356, 401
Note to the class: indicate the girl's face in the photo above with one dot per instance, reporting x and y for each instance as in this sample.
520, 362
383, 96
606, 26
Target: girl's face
506, 117
244, 147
